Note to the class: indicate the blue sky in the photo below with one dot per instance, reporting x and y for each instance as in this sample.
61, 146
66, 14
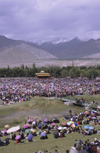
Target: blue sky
34, 20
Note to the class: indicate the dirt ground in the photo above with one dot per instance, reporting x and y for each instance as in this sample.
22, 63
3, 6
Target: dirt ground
34, 114
47, 63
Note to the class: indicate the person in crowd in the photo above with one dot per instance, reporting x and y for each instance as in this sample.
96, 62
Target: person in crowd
1, 143
94, 148
11, 135
67, 151
96, 142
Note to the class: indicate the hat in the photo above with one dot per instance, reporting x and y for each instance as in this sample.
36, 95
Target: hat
39, 151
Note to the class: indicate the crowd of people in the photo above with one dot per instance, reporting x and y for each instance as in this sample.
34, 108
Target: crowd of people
87, 146
21, 89
80, 123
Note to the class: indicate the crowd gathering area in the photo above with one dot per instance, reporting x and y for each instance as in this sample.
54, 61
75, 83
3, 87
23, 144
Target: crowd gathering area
86, 123
21, 89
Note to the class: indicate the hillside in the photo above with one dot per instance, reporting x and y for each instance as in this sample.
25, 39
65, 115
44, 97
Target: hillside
17, 52
74, 49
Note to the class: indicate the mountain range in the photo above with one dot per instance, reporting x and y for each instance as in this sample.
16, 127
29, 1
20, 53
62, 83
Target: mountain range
74, 49
20, 51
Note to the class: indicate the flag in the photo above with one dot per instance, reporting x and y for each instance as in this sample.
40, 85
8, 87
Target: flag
31, 87
93, 86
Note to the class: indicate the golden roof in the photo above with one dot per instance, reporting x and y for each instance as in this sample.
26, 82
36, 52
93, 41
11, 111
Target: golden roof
42, 73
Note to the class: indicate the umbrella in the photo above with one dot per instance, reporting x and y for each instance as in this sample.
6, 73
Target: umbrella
82, 112
94, 118
28, 125
18, 137
7, 126
74, 115
91, 128
64, 123
27, 131
46, 120
53, 123
60, 128
86, 127
30, 136
69, 123
33, 130
25, 126
29, 121
43, 134
73, 125
76, 124
3, 131
13, 129
44, 123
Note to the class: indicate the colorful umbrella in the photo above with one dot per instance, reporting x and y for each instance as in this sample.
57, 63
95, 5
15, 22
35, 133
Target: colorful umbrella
46, 120
64, 123
73, 125
44, 123
91, 128
53, 123
69, 123
29, 121
3, 131
86, 127
33, 130
25, 126
18, 137
94, 118
27, 131
28, 124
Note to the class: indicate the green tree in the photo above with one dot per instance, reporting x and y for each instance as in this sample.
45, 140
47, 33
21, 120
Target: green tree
64, 73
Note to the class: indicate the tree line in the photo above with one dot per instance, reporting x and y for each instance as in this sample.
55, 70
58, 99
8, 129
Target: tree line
55, 71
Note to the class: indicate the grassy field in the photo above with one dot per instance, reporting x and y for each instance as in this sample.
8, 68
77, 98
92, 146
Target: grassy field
40, 108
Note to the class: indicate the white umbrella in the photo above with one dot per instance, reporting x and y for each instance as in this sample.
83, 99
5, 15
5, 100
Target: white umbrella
60, 128
13, 129
7, 126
